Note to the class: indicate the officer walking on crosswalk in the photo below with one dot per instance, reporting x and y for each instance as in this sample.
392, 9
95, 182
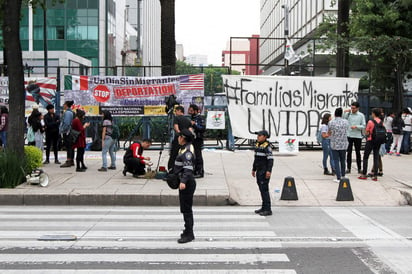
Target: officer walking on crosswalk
183, 167
262, 169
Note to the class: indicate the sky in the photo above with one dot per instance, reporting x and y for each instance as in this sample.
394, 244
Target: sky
205, 26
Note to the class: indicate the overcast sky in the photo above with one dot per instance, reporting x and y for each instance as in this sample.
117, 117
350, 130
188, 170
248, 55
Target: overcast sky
204, 26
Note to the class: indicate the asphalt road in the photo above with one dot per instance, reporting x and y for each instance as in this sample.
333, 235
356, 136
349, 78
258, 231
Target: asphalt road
228, 240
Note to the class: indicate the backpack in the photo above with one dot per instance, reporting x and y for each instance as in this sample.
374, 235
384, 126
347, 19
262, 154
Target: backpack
115, 132
30, 135
397, 125
378, 133
319, 137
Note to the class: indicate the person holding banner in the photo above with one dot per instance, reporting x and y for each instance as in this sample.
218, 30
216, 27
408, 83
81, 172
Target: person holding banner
180, 122
357, 124
262, 169
198, 124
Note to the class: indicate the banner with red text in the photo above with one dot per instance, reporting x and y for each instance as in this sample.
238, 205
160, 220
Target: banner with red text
127, 95
287, 106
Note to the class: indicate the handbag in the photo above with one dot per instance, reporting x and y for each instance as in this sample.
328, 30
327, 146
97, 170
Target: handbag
74, 135
173, 180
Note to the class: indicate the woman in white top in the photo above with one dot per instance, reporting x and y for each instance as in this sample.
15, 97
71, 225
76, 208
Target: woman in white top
324, 129
406, 142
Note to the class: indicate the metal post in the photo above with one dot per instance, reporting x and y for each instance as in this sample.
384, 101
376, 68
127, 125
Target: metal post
46, 73
286, 33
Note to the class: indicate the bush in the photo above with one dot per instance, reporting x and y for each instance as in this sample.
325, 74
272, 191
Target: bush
34, 157
12, 172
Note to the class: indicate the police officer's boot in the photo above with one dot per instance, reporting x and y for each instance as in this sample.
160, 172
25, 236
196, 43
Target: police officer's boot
187, 235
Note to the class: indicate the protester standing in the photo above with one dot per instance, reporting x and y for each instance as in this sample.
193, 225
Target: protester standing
199, 127
79, 125
52, 122
371, 146
397, 132
38, 129
357, 123
406, 140
108, 143
327, 152
388, 125
4, 124
338, 132
64, 129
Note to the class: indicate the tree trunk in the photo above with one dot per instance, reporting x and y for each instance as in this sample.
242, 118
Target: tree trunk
17, 94
397, 103
168, 43
342, 54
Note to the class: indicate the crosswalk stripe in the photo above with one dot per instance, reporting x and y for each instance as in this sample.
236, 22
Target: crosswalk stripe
249, 258
141, 271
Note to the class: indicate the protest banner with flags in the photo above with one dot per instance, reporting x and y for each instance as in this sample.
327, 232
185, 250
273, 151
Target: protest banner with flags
76, 82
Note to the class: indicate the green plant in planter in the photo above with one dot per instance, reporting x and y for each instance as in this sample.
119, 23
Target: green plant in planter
34, 157
12, 172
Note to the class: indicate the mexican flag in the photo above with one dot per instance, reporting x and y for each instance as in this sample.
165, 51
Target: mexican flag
76, 82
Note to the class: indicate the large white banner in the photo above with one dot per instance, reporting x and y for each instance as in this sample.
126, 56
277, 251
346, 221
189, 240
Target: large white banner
284, 105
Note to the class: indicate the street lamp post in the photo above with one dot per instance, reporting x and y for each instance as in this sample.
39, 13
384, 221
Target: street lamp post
286, 8
46, 73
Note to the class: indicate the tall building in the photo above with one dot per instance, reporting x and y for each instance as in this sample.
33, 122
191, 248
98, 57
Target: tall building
242, 55
87, 33
197, 60
296, 19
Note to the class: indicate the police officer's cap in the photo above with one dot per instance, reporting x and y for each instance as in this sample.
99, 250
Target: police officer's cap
264, 133
187, 134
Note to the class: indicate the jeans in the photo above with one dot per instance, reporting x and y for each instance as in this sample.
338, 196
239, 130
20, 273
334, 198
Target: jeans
3, 137
406, 142
327, 152
109, 146
339, 159
369, 147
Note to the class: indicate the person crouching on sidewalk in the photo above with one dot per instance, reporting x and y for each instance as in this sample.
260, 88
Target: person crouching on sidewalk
133, 159
262, 169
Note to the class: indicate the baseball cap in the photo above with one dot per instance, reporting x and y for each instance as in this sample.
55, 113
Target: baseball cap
264, 133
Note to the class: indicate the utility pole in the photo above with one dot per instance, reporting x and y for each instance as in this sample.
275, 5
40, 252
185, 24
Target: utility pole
286, 33
342, 54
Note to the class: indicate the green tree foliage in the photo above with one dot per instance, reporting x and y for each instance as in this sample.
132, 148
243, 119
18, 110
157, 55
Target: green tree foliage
383, 29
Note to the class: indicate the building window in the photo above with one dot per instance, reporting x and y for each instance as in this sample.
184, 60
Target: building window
60, 32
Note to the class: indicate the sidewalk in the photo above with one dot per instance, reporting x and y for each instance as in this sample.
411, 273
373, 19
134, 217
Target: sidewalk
228, 180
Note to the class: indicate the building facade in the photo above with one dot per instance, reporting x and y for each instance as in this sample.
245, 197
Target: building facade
293, 19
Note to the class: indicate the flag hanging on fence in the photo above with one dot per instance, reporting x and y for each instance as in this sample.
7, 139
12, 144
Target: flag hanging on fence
289, 52
76, 82
192, 82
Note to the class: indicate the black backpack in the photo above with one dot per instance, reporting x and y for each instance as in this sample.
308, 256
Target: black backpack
378, 133
397, 125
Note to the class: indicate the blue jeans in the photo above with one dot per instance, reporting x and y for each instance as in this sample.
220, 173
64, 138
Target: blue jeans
327, 152
3, 137
406, 142
339, 157
109, 146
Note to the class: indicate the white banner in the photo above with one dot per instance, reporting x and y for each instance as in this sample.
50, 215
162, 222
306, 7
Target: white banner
284, 105
215, 119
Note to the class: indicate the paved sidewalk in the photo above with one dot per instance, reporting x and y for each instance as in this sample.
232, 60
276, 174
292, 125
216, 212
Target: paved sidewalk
228, 180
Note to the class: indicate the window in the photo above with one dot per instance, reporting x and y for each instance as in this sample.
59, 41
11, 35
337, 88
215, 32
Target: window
60, 32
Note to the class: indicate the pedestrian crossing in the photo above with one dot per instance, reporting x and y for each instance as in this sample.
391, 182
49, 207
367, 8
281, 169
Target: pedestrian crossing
137, 240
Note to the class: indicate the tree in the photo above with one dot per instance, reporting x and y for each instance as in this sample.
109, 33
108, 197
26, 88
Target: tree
342, 54
17, 96
384, 29
168, 42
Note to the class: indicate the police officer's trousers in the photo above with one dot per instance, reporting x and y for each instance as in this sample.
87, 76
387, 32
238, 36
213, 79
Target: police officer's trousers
186, 203
263, 185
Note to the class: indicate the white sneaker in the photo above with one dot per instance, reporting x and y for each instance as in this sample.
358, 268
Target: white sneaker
336, 181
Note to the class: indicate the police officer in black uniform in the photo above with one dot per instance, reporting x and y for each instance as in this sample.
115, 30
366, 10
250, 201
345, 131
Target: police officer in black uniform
198, 124
262, 169
183, 167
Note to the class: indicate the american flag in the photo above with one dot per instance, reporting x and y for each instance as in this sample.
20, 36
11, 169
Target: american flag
192, 82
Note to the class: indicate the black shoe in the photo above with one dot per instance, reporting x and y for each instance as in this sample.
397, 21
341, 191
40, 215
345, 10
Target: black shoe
265, 213
257, 211
102, 169
359, 171
84, 167
124, 172
347, 171
111, 167
186, 238
57, 162
66, 164
80, 170
46, 162
198, 176
326, 172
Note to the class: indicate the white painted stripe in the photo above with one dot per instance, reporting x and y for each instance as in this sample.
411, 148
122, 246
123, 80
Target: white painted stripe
204, 243
249, 258
148, 234
129, 217
132, 224
141, 271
